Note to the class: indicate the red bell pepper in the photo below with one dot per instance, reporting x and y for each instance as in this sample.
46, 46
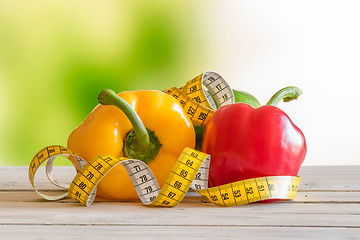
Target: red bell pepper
245, 142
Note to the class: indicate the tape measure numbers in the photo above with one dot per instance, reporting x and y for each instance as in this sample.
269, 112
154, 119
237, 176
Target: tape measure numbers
199, 103
200, 98
49, 154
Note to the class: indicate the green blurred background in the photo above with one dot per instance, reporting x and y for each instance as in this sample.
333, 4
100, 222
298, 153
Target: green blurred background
56, 56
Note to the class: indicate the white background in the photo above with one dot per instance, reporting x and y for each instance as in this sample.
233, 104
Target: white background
263, 46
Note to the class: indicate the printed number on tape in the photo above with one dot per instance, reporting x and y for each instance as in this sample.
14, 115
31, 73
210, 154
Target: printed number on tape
201, 96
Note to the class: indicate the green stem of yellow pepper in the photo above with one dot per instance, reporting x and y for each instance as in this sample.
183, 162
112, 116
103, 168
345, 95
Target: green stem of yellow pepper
141, 143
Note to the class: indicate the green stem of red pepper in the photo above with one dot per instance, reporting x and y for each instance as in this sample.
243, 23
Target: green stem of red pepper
286, 94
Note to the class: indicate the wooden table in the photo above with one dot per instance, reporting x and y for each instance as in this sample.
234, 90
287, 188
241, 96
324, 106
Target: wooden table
327, 206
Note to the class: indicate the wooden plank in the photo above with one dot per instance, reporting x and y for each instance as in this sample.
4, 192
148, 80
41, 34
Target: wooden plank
314, 178
186, 214
263, 208
172, 232
330, 178
301, 197
16, 178
327, 197
327, 206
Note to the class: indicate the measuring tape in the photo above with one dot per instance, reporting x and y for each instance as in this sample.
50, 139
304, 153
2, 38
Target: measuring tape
190, 171
200, 103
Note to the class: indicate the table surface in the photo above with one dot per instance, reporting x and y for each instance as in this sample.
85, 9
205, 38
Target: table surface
327, 206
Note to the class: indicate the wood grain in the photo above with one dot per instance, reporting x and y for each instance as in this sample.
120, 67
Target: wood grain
172, 232
327, 206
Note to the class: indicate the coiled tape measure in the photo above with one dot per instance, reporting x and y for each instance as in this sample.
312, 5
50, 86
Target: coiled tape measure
200, 98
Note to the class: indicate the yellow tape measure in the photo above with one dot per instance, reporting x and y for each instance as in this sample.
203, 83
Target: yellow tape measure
190, 171
199, 103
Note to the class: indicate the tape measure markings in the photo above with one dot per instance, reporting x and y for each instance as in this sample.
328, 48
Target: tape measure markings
233, 195
193, 89
267, 183
253, 189
196, 101
135, 169
217, 84
86, 180
50, 153
179, 179
175, 187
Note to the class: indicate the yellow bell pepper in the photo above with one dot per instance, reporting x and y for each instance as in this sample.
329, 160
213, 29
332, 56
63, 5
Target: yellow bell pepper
117, 130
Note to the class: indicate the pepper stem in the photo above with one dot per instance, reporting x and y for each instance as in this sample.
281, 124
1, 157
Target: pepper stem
286, 94
109, 97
